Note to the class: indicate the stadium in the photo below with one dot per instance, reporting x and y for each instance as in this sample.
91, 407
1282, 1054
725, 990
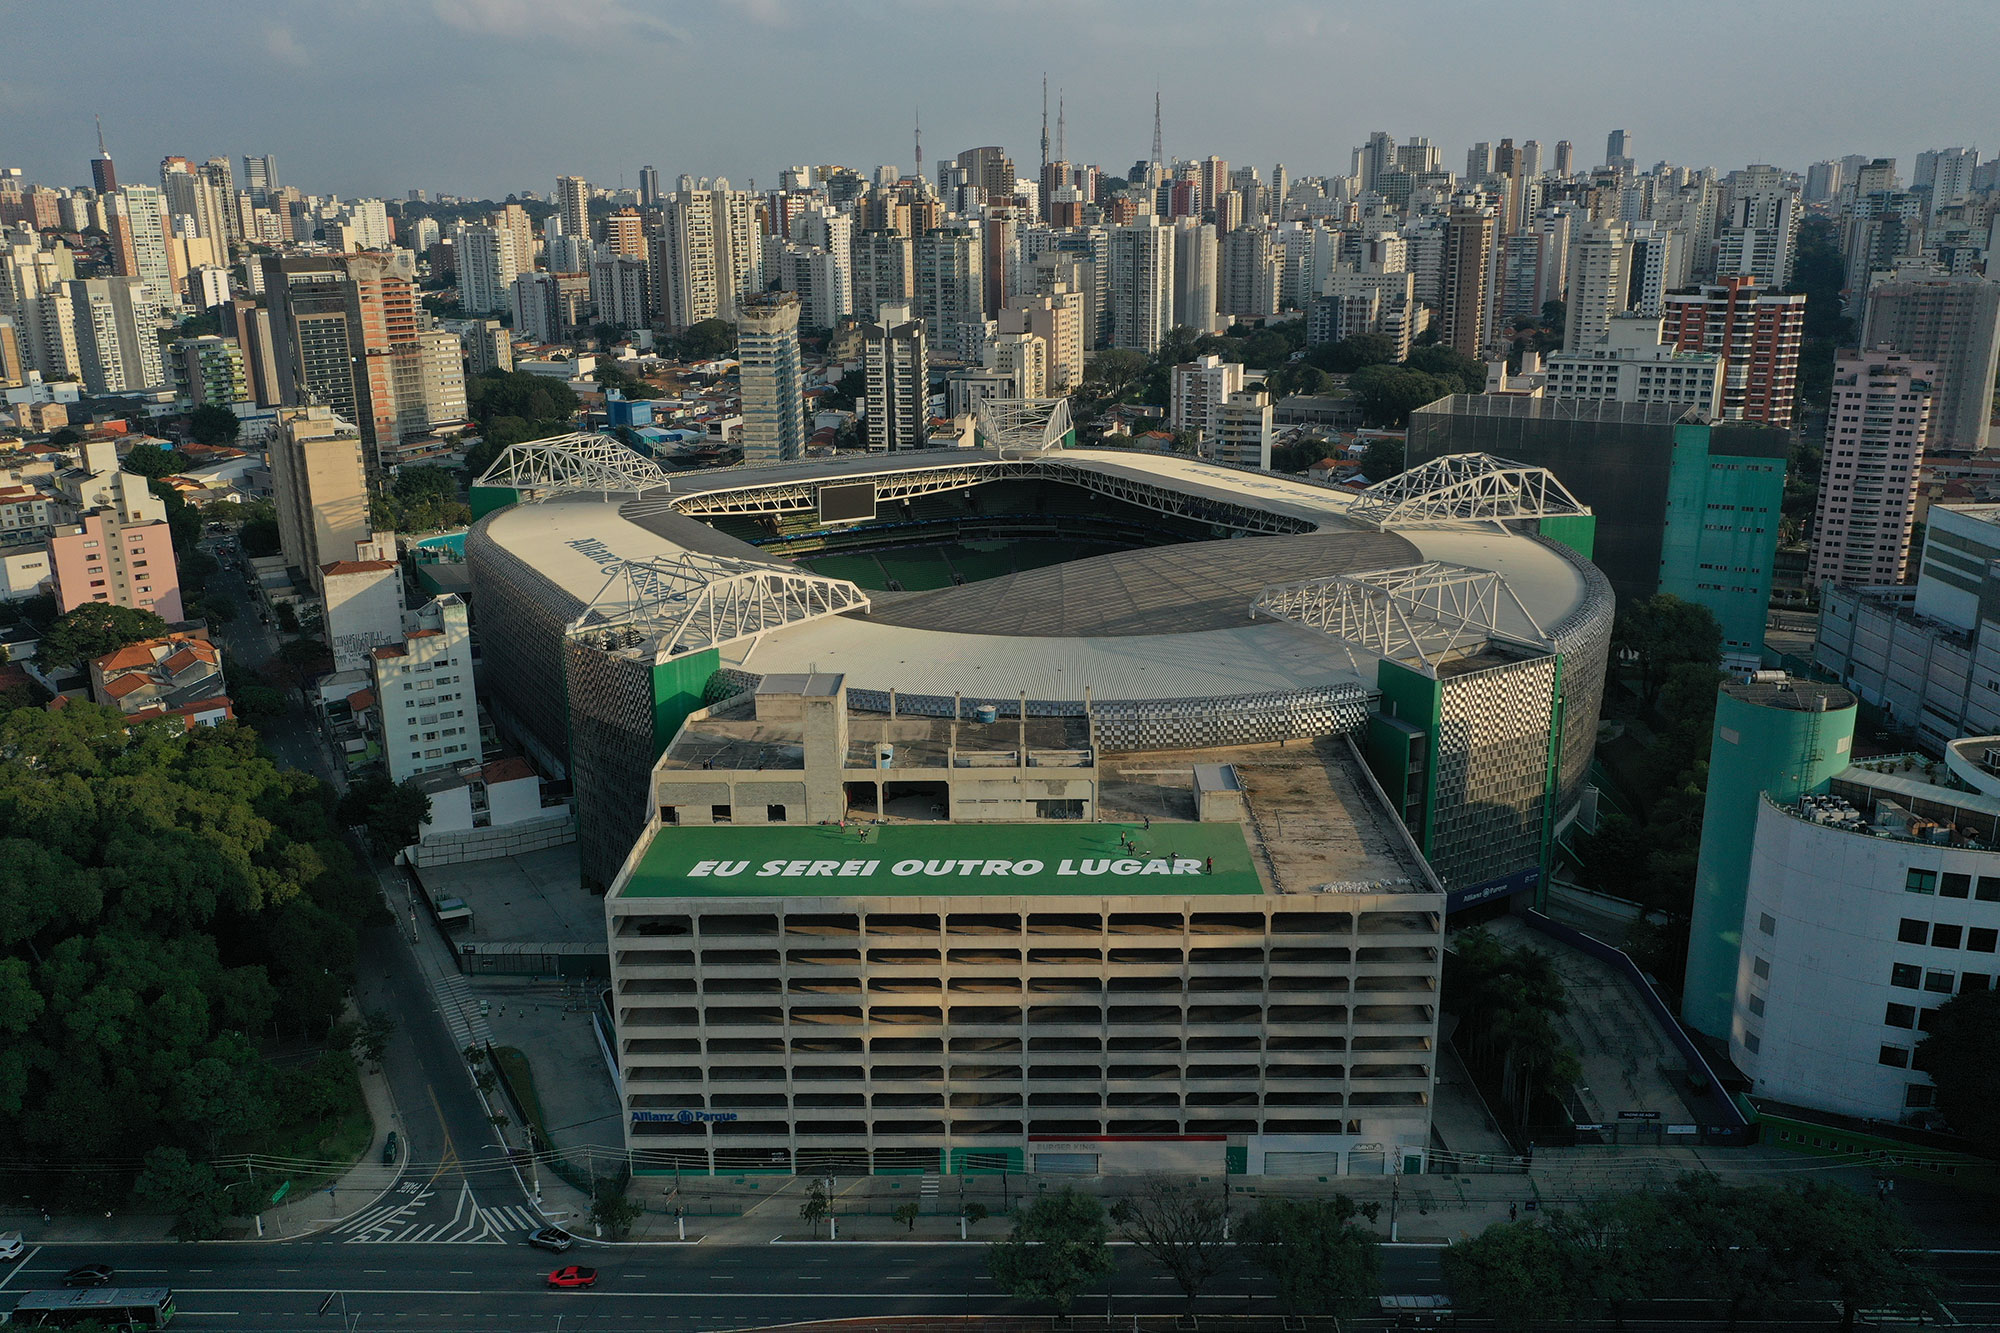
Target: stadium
1449, 621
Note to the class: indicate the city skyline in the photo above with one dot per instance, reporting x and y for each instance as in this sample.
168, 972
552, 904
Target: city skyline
453, 101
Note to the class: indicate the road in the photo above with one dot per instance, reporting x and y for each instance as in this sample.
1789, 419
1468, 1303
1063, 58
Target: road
465, 1193
491, 1289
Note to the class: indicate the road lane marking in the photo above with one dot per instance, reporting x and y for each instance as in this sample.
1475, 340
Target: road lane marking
22, 1266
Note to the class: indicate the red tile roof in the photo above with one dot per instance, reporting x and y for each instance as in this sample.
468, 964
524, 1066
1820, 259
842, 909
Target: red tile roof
506, 770
361, 700
387, 651
125, 685
423, 634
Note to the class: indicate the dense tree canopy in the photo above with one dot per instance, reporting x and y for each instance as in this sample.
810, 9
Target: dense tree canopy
1387, 395
150, 460
513, 405
167, 899
92, 630
210, 424
1060, 1244
1962, 1056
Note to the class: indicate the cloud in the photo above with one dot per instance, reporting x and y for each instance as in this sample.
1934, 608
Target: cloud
573, 22
283, 45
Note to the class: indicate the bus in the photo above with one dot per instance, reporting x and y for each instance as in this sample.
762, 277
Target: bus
116, 1307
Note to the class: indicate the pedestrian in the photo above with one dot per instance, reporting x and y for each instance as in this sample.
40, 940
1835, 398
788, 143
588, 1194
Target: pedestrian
1513, 1211
1149, 822
1208, 866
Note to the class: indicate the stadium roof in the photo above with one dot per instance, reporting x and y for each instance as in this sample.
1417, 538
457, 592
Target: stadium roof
1160, 622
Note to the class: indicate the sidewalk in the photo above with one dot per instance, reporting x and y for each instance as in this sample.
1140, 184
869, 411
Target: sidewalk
304, 1212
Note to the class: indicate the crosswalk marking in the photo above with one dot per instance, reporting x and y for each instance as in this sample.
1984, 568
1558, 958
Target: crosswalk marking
460, 1008
417, 1222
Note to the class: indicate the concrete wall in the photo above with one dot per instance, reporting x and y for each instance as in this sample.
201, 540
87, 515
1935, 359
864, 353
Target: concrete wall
486, 844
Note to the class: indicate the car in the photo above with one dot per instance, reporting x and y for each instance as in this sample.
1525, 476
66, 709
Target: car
11, 1245
573, 1277
553, 1239
389, 1149
90, 1275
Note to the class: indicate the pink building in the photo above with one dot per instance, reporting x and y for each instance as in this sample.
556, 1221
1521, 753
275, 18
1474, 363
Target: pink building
116, 548
1877, 425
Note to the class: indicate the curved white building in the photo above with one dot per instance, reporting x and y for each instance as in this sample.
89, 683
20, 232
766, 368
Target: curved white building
1868, 908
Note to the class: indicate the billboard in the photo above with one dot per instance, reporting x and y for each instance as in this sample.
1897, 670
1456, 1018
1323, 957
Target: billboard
849, 502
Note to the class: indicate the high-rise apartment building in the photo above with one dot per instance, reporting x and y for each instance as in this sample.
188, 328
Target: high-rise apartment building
713, 252
897, 364
115, 547
1630, 364
424, 694
486, 267
1822, 182
1565, 158
1467, 261
573, 206
1658, 264
1760, 231
884, 272
773, 385
1947, 172
107, 326
950, 292
1057, 319
1953, 322
537, 303
319, 486
1194, 275
1142, 284
1599, 283
208, 372
1248, 273
621, 290
260, 175
1877, 424
625, 233
1756, 332
137, 215
1618, 152
1197, 392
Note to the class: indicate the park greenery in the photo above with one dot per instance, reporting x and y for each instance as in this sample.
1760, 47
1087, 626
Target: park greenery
1749, 1252
175, 909
1506, 1000
421, 498
1059, 1245
92, 630
1323, 1262
1666, 655
511, 406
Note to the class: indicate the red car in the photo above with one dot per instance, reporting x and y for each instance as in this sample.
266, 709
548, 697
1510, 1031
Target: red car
573, 1277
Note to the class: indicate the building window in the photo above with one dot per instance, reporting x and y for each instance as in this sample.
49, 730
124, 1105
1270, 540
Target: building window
718, 814
1756, 1005
1899, 1056
774, 814
670, 814
1974, 981
1988, 889
1907, 975
1919, 1095
1767, 923
1761, 968
1900, 1015
1944, 937
1752, 1043
1921, 881
1954, 886
1981, 939
1912, 931
1939, 982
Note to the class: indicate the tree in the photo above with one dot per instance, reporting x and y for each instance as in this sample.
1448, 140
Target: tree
1382, 460
371, 1038
1962, 1056
1664, 631
1179, 1226
1388, 394
67, 437
814, 1209
209, 424
309, 657
706, 340
1323, 1261
1351, 354
150, 460
92, 630
851, 389
1113, 371
1057, 1247
258, 533
394, 813
1515, 1273
613, 1210
907, 1213
1467, 374
174, 1183
1852, 1250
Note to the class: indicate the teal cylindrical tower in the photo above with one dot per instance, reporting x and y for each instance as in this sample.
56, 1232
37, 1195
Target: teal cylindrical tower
1772, 734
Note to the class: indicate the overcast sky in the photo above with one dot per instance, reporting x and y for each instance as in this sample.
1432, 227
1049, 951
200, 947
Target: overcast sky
483, 97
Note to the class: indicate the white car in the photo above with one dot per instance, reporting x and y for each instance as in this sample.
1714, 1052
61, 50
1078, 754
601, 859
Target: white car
11, 1245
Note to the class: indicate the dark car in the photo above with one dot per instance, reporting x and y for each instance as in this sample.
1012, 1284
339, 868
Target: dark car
90, 1275
389, 1148
553, 1239
573, 1277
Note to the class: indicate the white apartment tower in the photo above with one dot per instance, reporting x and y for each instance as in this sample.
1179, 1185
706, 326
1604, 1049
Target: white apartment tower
1142, 284
423, 691
1195, 275
773, 385
896, 360
1876, 427
1599, 282
573, 206
714, 253
486, 261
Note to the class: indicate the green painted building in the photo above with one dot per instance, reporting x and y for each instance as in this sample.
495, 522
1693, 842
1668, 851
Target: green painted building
1777, 736
1724, 496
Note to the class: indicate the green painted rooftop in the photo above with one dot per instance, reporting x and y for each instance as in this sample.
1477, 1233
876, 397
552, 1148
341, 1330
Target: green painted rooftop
951, 860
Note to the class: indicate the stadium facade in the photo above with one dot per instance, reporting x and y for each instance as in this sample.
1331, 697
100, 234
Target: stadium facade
1449, 622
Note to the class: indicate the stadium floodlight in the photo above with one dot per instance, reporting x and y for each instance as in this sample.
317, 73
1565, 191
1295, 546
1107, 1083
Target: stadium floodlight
1427, 612
688, 602
1032, 424
1459, 488
580, 461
